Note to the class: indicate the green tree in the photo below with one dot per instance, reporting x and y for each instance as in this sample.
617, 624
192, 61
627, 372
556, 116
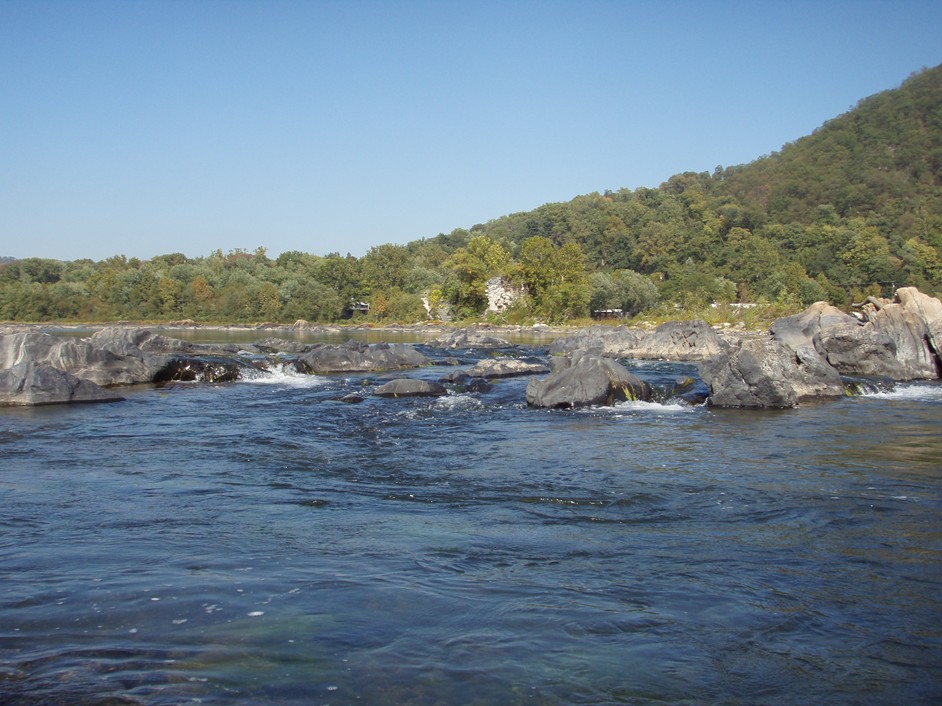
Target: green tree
469, 270
555, 278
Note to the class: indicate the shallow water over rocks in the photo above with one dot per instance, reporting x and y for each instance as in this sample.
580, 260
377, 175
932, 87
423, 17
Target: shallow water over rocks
261, 542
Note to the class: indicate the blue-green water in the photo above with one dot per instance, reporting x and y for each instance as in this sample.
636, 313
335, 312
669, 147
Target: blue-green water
261, 543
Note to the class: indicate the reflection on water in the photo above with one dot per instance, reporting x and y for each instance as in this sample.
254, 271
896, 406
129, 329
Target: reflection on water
260, 542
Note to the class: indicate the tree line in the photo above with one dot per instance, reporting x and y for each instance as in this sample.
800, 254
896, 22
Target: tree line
853, 209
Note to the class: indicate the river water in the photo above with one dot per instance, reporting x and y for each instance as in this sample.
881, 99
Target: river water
260, 542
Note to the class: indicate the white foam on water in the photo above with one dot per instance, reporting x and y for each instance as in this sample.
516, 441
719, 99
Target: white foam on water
453, 403
635, 406
282, 375
927, 392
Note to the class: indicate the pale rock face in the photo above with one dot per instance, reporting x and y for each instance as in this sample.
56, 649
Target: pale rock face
500, 294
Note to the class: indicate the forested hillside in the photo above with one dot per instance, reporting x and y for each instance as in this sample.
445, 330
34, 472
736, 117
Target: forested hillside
854, 208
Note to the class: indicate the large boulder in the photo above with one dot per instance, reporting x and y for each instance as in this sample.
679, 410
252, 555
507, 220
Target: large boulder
354, 356
30, 383
409, 387
853, 349
585, 379
505, 368
767, 373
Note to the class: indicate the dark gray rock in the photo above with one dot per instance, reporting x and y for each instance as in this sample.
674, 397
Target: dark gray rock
478, 385
455, 377
767, 373
690, 390
28, 384
409, 387
585, 379
354, 356
505, 368
200, 370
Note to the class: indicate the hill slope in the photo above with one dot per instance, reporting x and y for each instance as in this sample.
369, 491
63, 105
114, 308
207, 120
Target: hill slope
857, 202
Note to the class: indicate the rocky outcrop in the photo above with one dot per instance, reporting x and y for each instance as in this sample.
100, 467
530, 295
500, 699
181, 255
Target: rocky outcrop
501, 294
767, 373
913, 321
80, 358
471, 337
408, 387
801, 329
505, 368
674, 340
853, 349
354, 356
585, 379
30, 383
898, 338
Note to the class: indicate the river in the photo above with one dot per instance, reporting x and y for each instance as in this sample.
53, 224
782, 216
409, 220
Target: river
259, 542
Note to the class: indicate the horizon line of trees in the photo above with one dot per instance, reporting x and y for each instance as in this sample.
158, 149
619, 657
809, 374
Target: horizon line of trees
851, 210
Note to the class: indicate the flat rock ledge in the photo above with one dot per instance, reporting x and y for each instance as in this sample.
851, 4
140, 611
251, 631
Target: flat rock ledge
675, 340
471, 337
31, 384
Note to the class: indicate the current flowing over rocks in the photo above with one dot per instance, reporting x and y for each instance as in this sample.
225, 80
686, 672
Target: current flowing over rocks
802, 357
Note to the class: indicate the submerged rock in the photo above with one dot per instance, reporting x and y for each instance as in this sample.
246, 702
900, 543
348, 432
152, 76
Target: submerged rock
767, 373
586, 379
409, 387
28, 384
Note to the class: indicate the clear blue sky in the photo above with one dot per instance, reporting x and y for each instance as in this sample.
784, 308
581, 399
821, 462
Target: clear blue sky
145, 128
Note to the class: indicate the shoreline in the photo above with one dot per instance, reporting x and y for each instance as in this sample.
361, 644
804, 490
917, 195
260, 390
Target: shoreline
730, 332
